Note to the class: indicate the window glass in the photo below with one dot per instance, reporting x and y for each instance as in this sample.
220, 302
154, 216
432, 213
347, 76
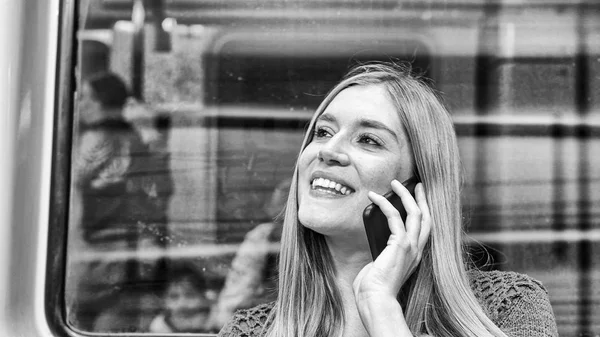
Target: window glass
189, 116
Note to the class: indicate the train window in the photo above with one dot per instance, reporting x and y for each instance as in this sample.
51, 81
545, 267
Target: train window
299, 74
188, 116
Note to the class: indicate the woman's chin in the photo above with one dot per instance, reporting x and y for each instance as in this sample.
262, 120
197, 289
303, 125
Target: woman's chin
326, 222
315, 220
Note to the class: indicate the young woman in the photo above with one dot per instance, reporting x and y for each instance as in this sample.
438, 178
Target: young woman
377, 127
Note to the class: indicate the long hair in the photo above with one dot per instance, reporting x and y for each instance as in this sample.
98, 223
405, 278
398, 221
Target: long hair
437, 298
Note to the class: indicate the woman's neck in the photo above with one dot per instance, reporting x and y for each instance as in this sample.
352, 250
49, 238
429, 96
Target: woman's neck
349, 260
349, 257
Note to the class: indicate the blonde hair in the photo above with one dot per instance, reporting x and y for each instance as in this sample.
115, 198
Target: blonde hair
437, 298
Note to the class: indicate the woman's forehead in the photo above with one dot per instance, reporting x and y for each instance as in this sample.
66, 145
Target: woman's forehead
362, 103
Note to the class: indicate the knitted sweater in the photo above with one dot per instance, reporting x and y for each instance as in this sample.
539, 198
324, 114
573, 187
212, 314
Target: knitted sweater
516, 303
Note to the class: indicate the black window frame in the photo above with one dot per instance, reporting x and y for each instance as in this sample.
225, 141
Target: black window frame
54, 302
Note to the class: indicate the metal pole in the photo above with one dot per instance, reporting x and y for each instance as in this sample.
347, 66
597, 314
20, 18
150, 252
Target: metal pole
138, 17
486, 93
584, 249
137, 89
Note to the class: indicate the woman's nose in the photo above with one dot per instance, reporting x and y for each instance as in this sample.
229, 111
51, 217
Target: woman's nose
331, 154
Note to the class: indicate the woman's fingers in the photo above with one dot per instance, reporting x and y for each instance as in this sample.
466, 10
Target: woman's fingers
413, 212
425, 216
391, 213
417, 225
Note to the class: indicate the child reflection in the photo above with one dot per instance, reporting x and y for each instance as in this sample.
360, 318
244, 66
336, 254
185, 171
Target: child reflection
186, 303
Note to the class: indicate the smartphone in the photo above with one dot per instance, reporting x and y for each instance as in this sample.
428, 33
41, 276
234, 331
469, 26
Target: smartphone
376, 224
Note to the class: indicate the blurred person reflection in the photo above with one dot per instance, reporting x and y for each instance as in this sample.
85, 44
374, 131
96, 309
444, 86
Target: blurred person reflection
248, 281
110, 159
111, 199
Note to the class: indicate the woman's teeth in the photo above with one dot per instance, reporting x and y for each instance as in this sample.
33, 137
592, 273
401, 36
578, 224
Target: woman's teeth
330, 186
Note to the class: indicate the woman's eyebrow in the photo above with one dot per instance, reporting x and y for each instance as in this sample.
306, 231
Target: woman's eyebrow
326, 117
370, 123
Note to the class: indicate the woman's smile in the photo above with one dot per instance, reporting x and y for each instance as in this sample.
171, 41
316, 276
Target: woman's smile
327, 185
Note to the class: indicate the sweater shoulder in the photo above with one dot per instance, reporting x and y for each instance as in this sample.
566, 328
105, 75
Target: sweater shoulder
496, 290
514, 301
508, 282
248, 322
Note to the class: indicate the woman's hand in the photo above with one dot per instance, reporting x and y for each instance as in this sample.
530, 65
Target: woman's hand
382, 279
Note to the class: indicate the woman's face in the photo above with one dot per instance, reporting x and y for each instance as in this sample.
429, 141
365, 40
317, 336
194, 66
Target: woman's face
358, 145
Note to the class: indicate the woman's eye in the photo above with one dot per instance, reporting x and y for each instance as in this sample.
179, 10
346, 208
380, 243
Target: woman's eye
321, 132
370, 140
